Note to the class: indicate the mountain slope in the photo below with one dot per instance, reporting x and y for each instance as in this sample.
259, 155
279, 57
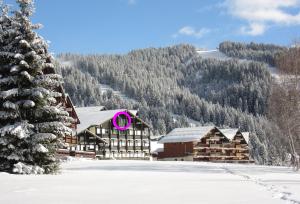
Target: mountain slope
175, 82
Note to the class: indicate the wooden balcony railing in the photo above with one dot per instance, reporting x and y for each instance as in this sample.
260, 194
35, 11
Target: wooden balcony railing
71, 140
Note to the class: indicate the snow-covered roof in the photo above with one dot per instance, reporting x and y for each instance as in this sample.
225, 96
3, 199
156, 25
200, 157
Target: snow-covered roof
90, 108
157, 150
186, 134
228, 132
246, 136
94, 116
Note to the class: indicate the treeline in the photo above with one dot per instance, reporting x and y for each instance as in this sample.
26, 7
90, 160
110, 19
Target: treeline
163, 84
244, 86
253, 51
284, 103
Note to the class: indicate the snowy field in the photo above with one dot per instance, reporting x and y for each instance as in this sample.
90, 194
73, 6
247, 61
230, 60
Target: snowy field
91, 181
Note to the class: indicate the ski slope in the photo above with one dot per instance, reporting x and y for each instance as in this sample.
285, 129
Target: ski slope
216, 54
104, 88
149, 182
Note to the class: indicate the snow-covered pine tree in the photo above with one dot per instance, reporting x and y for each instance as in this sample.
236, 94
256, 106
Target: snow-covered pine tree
32, 119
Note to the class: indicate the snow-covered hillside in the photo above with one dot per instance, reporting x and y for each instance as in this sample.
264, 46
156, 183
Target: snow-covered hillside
104, 88
216, 54
90, 181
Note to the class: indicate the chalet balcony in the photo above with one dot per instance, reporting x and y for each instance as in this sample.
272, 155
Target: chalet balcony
201, 145
122, 137
215, 154
122, 147
215, 138
138, 147
130, 148
214, 145
71, 140
202, 154
114, 148
144, 137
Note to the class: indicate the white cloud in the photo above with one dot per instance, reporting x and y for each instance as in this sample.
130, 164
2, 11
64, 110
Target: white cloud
260, 14
253, 29
190, 31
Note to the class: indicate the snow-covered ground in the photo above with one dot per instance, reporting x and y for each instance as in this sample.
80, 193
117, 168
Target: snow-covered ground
91, 181
216, 54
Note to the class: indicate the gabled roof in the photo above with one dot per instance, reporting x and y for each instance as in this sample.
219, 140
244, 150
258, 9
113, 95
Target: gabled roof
186, 134
94, 116
92, 134
228, 132
246, 136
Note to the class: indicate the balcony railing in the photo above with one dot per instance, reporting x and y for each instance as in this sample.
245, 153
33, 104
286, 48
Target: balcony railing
71, 140
130, 147
114, 148
138, 147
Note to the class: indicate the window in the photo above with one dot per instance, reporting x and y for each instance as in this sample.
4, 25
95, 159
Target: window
146, 143
137, 143
114, 131
98, 131
128, 142
113, 143
122, 143
104, 131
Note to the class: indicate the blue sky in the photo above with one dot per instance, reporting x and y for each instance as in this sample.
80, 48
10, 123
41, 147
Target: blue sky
118, 26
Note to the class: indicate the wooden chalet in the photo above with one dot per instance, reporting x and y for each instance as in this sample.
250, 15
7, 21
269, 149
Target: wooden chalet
206, 143
65, 101
96, 133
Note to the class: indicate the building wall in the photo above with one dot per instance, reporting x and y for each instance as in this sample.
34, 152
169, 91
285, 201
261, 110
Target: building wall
180, 149
212, 147
131, 143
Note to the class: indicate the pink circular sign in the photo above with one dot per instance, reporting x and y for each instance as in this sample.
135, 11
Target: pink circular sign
115, 120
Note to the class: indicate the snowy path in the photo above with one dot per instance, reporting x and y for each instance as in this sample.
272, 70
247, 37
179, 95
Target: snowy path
87, 181
279, 184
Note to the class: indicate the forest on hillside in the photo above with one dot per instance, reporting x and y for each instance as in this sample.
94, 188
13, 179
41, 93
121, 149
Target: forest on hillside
253, 51
171, 85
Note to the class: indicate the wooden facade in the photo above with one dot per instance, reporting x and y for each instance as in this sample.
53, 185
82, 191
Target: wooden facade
107, 142
217, 145
177, 150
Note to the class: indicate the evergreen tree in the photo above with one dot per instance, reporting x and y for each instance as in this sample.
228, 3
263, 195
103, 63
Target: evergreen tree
32, 120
